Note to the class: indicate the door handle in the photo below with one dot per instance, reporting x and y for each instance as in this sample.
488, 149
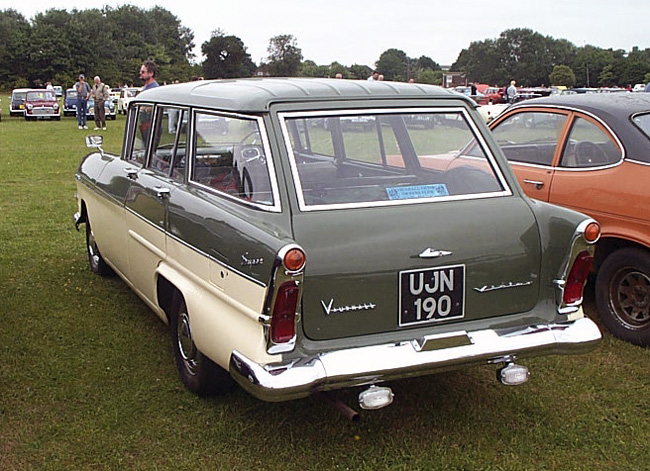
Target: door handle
537, 183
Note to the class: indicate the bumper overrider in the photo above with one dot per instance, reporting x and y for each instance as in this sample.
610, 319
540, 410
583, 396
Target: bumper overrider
374, 364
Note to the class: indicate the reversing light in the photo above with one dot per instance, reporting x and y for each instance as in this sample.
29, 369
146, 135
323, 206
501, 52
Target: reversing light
294, 260
375, 398
577, 278
592, 232
513, 375
283, 326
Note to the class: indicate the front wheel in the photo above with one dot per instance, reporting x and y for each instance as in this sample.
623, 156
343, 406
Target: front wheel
623, 295
198, 373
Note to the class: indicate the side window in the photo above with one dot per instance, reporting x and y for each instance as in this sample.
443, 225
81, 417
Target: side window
589, 146
169, 142
142, 120
229, 157
530, 137
371, 139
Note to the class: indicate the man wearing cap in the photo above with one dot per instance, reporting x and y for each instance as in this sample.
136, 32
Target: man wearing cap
83, 93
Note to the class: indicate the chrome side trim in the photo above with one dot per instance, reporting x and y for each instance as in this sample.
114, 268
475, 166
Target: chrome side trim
374, 364
578, 244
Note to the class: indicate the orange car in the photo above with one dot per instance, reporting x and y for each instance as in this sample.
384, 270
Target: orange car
591, 153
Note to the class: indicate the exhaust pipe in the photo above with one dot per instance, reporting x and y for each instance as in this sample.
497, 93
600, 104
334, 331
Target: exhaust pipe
345, 410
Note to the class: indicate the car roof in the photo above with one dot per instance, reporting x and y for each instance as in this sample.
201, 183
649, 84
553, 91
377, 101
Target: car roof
620, 105
258, 94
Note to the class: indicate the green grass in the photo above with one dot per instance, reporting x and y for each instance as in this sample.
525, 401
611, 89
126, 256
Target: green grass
87, 379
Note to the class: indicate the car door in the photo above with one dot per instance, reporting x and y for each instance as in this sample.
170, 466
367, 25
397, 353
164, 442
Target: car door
588, 177
160, 147
531, 140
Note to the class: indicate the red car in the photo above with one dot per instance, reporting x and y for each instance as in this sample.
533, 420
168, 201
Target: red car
494, 95
41, 103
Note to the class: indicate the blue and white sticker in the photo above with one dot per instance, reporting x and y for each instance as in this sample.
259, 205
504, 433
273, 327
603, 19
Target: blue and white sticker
418, 191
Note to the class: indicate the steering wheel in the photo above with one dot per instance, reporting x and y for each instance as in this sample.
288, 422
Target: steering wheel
589, 154
256, 138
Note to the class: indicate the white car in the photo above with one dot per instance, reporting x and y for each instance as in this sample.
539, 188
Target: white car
126, 95
115, 95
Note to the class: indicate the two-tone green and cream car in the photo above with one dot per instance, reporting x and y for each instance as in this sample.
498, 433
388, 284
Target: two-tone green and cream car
304, 235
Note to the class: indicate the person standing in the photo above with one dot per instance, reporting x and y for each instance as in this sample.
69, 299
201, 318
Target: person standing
511, 92
148, 72
100, 94
83, 93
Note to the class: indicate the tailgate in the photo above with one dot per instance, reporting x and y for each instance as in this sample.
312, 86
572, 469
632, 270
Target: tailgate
383, 269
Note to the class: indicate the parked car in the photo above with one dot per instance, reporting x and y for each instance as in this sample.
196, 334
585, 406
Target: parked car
58, 90
17, 103
591, 153
70, 102
126, 95
41, 104
109, 109
490, 112
467, 91
115, 95
295, 258
494, 95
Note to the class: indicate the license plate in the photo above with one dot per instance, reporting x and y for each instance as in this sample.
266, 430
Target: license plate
431, 295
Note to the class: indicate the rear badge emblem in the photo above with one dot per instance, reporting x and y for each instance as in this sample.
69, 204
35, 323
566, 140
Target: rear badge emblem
331, 309
485, 289
433, 253
249, 262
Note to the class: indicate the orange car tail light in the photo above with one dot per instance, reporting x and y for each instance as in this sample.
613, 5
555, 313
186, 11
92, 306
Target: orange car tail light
577, 278
592, 232
294, 260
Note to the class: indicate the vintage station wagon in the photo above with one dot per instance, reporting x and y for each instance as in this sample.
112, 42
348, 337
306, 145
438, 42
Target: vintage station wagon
296, 252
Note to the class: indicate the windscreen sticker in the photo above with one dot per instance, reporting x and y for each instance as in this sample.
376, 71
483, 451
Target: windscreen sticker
418, 191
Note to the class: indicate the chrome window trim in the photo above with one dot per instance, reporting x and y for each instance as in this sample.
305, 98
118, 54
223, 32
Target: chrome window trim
567, 169
283, 116
160, 108
276, 207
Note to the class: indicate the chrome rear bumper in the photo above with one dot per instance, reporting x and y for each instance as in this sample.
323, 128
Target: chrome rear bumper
377, 363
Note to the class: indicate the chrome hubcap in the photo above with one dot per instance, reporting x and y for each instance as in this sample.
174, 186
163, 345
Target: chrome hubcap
186, 345
92, 249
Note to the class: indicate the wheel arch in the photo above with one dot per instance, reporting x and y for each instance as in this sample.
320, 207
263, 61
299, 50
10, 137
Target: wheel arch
168, 295
608, 245
82, 216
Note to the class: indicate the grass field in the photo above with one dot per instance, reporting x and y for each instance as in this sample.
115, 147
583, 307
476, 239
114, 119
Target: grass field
87, 380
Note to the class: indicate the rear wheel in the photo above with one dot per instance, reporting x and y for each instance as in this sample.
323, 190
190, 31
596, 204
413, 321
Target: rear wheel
95, 260
198, 373
623, 295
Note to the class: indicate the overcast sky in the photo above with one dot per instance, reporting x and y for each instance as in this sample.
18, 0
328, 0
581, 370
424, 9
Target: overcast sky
358, 31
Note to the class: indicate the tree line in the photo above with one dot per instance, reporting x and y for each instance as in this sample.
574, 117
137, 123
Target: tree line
531, 59
57, 45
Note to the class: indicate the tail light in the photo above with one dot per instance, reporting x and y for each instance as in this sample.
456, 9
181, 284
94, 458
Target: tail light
577, 278
283, 326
